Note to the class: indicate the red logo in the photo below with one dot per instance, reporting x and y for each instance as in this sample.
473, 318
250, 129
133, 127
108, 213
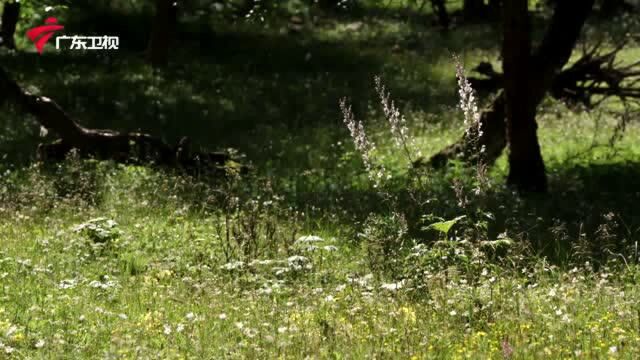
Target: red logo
41, 34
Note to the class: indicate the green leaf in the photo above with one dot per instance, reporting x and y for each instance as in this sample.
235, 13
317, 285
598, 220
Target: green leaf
444, 226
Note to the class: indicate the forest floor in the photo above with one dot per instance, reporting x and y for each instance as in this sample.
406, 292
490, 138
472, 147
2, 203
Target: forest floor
305, 257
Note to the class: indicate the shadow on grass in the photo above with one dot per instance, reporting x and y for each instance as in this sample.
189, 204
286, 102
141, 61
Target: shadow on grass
227, 87
589, 214
590, 210
275, 98
228, 94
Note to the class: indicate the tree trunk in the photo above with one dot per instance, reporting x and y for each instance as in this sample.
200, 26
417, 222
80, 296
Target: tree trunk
554, 52
10, 16
163, 32
473, 10
495, 8
329, 4
526, 167
440, 9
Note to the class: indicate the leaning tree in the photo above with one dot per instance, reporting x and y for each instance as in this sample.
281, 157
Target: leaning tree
531, 74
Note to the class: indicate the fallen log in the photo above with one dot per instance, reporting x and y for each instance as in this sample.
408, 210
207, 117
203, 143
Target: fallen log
105, 144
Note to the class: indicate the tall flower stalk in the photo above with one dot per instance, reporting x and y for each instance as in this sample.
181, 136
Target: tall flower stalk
467, 103
397, 122
363, 144
472, 122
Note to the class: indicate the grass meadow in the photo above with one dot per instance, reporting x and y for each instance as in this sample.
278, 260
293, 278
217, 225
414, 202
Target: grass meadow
305, 256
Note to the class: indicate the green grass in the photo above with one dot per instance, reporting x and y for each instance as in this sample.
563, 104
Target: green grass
159, 287
184, 267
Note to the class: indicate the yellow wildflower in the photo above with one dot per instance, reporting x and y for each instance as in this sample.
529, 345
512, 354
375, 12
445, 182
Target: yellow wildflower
18, 337
409, 314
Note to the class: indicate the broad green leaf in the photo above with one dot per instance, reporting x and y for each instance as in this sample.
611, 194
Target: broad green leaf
444, 226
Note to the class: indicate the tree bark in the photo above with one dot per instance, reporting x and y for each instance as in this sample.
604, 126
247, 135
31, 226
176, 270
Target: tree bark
163, 32
440, 9
526, 167
553, 53
495, 8
10, 16
473, 10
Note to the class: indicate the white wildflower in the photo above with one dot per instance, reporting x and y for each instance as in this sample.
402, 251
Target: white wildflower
234, 265
254, 263
309, 239
102, 285
68, 284
392, 286
10, 331
250, 333
397, 122
363, 145
39, 344
297, 262
330, 248
265, 291
468, 102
